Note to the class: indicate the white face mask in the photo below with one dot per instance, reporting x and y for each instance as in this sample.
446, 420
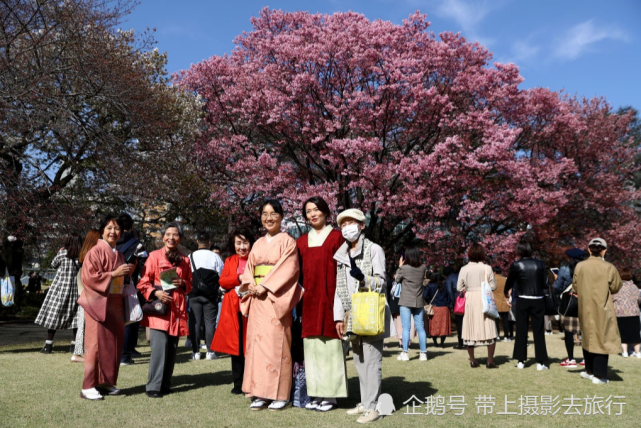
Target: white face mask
351, 232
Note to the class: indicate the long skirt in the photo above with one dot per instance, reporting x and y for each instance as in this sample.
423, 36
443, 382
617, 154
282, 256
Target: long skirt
325, 367
268, 359
103, 345
629, 329
440, 324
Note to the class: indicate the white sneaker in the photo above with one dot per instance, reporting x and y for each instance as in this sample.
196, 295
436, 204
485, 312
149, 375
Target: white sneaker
210, 356
195, 356
358, 410
548, 333
597, 381
637, 354
520, 365
258, 404
91, 394
422, 356
540, 367
279, 405
624, 354
369, 416
403, 356
203, 346
587, 376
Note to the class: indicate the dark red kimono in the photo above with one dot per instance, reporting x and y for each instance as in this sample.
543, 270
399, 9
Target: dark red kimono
318, 277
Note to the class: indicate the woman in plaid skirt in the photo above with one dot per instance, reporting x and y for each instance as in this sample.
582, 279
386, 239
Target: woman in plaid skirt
58, 312
570, 324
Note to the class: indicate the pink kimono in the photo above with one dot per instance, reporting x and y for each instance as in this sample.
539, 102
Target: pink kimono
268, 360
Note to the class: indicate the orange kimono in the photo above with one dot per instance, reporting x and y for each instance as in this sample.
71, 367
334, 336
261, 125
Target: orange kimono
268, 361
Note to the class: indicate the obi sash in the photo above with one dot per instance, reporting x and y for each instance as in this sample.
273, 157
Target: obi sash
117, 285
261, 272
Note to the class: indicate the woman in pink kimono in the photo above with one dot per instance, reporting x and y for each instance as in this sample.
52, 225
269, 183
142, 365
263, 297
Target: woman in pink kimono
269, 292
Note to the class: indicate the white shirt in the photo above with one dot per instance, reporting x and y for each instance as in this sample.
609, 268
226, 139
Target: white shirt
206, 259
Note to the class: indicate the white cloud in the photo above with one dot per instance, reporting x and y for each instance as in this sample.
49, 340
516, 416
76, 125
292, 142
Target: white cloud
468, 15
579, 39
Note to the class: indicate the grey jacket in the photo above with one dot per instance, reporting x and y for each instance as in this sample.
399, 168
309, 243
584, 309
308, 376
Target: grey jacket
411, 279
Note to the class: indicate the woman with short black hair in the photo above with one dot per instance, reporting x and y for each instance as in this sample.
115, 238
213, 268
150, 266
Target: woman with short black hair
231, 332
529, 277
165, 329
60, 307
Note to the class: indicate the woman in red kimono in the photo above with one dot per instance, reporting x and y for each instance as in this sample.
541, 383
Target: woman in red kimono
103, 275
269, 292
232, 327
325, 370
165, 330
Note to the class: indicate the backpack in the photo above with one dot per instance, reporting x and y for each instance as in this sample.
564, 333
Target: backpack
204, 282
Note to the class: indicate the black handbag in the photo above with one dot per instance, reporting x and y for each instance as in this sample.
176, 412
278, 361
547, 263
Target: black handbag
155, 307
552, 302
569, 305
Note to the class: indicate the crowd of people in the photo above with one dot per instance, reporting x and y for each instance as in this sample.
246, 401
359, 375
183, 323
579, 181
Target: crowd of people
280, 307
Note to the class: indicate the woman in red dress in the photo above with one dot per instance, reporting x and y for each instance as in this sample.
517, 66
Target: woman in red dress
232, 326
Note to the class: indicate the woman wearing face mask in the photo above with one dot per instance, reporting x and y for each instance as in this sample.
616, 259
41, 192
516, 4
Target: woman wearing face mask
165, 330
269, 292
325, 370
360, 265
103, 272
232, 328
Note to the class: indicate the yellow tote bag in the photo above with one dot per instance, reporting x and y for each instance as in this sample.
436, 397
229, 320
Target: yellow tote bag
368, 313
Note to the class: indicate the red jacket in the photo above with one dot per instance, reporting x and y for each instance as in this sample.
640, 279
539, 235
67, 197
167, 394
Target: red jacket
227, 337
175, 322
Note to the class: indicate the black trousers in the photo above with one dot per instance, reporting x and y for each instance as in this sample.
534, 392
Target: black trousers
596, 364
204, 313
459, 326
526, 308
505, 318
238, 361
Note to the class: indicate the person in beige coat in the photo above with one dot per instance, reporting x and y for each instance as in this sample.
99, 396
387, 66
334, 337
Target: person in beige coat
478, 328
595, 280
501, 306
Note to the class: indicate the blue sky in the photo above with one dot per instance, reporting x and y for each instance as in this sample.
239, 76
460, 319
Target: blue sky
585, 47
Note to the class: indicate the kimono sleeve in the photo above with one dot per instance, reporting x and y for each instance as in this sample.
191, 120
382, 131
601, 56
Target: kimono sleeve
285, 272
229, 278
96, 272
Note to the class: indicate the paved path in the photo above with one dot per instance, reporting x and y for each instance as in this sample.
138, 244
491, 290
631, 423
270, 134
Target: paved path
30, 333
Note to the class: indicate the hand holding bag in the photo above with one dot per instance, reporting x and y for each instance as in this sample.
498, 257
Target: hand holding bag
368, 313
155, 307
132, 308
489, 305
459, 305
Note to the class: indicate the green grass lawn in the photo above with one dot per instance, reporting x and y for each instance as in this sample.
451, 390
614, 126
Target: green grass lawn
43, 390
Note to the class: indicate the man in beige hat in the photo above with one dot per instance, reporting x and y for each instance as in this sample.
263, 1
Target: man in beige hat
360, 265
595, 280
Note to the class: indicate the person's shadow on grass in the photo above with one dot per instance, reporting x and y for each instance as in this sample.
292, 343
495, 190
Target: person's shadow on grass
189, 382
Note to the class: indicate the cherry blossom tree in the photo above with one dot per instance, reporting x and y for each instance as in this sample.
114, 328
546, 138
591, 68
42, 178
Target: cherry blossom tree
424, 133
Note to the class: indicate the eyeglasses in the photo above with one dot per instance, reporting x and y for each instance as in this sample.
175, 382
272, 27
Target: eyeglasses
266, 216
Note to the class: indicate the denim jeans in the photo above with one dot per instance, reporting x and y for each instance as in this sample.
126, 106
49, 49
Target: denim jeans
406, 319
